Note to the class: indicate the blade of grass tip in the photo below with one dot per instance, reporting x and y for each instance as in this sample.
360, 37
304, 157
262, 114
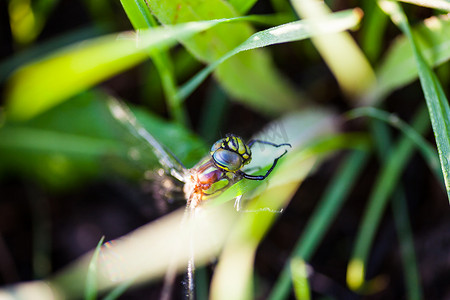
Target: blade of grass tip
141, 18
294, 31
428, 152
90, 292
384, 186
402, 223
299, 270
119, 290
400, 212
326, 211
437, 4
437, 102
340, 52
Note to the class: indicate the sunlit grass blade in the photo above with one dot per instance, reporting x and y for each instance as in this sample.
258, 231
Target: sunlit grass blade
437, 102
11, 63
436, 4
323, 216
426, 149
40, 85
141, 18
343, 56
385, 184
399, 68
289, 32
90, 292
299, 272
146, 252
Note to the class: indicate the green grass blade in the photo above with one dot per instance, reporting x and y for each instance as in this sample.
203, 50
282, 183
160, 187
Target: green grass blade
372, 30
437, 102
323, 216
299, 270
399, 68
285, 33
386, 182
141, 18
426, 149
40, 85
402, 223
342, 55
383, 144
90, 292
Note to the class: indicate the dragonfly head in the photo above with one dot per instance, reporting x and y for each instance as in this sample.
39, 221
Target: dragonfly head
231, 153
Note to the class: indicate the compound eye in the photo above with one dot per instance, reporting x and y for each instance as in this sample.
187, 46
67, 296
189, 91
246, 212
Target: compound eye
227, 160
217, 145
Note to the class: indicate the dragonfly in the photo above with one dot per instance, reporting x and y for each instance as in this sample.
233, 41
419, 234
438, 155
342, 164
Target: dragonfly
212, 175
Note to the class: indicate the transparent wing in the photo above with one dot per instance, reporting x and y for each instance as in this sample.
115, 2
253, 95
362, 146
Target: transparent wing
168, 161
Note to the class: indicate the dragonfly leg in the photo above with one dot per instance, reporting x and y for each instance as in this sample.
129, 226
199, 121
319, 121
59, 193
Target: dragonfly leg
262, 177
252, 142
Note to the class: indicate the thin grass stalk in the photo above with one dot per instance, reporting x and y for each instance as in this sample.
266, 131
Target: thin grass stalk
90, 291
118, 290
402, 223
426, 149
384, 186
401, 218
